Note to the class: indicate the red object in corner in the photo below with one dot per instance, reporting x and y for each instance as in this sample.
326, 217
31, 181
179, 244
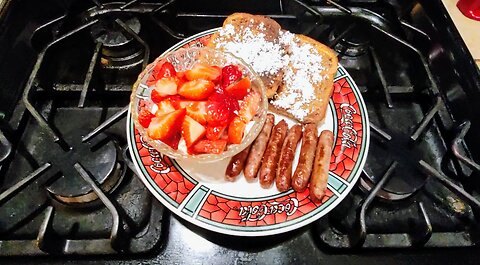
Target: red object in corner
470, 8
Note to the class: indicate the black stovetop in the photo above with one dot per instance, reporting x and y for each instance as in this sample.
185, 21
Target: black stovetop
66, 189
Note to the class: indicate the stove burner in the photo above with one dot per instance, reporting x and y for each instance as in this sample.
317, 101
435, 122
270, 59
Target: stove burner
350, 41
100, 159
119, 50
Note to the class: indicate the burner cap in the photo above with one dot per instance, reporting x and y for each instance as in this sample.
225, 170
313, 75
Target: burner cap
100, 159
119, 48
353, 43
406, 179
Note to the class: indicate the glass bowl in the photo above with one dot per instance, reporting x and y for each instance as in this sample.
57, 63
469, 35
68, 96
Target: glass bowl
184, 59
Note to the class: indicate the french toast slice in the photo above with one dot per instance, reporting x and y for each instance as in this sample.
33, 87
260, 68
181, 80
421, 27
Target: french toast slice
255, 39
307, 80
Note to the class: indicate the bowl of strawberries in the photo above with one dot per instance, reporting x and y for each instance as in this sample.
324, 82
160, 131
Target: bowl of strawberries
199, 103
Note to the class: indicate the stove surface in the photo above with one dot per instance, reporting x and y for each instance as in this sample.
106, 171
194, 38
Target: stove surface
66, 184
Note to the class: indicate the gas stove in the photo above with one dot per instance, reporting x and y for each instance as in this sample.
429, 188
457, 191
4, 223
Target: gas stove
68, 189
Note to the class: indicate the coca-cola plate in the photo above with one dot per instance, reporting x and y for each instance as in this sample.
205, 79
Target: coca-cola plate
196, 192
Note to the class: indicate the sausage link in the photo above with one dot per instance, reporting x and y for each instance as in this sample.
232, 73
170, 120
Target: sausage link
236, 164
318, 181
284, 170
272, 154
305, 162
258, 149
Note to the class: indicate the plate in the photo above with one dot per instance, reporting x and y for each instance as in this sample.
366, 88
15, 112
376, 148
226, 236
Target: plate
194, 192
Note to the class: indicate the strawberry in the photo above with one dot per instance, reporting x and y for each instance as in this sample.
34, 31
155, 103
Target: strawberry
235, 130
218, 110
145, 117
165, 69
164, 107
167, 86
204, 71
173, 140
215, 132
230, 74
186, 103
209, 146
175, 100
181, 75
164, 127
192, 131
249, 106
155, 96
197, 89
239, 89
198, 111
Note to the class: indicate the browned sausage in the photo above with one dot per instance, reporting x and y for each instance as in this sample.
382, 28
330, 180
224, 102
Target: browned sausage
258, 148
305, 162
236, 164
272, 154
318, 181
284, 169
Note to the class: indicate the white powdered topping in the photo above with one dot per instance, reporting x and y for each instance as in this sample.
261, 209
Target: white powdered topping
304, 72
300, 61
265, 57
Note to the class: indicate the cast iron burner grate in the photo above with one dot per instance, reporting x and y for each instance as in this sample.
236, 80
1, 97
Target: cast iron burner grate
421, 202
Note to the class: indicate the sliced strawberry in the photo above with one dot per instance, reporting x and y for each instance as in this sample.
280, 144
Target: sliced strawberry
218, 112
197, 89
192, 131
173, 140
167, 86
155, 96
164, 107
235, 130
165, 69
209, 146
145, 117
175, 100
230, 74
181, 75
198, 111
239, 89
204, 71
215, 132
186, 103
221, 109
166, 126
249, 106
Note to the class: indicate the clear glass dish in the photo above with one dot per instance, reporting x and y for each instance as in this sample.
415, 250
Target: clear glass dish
184, 59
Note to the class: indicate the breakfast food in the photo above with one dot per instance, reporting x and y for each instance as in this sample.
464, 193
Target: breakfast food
254, 158
269, 165
201, 110
318, 182
307, 155
285, 163
255, 39
298, 71
236, 164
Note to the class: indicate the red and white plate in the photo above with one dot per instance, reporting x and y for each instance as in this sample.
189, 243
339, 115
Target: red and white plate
197, 193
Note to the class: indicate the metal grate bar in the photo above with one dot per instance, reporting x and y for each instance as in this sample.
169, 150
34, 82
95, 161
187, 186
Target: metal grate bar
116, 236
89, 75
23, 183
422, 126
456, 145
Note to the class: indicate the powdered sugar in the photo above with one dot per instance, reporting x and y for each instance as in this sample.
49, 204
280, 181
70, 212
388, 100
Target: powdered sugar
300, 62
265, 57
300, 78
